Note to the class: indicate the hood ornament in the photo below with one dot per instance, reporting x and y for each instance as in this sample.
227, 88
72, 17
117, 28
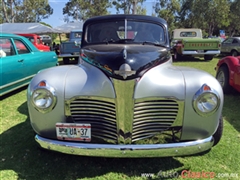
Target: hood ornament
125, 71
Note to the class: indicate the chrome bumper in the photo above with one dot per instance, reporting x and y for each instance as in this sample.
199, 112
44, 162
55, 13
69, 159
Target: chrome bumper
68, 55
131, 151
195, 53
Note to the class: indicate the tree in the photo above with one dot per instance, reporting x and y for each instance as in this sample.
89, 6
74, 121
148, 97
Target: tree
212, 14
129, 6
234, 16
168, 10
25, 10
208, 15
84, 9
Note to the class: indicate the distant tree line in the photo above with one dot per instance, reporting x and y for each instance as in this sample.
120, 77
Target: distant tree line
209, 15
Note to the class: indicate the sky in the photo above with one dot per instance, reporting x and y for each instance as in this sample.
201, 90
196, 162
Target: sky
56, 19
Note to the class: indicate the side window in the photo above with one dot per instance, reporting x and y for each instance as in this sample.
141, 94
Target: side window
235, 41
228, 41
21, 47
6, 48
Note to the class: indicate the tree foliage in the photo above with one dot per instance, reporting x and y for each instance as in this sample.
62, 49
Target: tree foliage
209, 15
83, 9
234, 25
25, 10
168, 10
129, 6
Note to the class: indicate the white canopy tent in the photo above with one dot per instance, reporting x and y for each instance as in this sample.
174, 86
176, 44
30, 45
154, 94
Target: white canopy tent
27, 28
68, 27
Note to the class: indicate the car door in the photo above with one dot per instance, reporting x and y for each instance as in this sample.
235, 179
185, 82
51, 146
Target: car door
30, 59
236, 45
12, 69
226, 45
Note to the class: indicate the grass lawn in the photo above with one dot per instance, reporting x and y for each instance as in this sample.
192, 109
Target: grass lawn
21, 159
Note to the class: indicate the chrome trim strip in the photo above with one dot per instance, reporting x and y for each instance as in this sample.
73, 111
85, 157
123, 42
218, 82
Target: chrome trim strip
124, 109
100, 112
179, 116
15, 82
197, 53
68, 102
13, 89
109, 150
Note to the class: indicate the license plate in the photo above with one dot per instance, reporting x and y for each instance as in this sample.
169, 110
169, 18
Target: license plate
200, 51
73, 132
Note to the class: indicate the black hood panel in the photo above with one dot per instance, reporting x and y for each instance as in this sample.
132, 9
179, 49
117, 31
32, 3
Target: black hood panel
124, 61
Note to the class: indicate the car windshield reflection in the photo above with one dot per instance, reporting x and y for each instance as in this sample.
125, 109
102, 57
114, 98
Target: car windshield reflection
125, 31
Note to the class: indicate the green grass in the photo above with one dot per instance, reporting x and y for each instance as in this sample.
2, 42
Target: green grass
20, 158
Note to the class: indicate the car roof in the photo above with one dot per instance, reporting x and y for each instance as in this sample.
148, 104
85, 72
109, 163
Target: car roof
23, 34
233, 37
75, 30
9, 35
124, 16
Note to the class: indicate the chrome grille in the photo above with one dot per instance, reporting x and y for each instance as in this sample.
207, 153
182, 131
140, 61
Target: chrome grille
153, 116
99, 113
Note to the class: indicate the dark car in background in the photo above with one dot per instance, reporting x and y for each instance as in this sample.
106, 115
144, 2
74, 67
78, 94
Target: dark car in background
231, 46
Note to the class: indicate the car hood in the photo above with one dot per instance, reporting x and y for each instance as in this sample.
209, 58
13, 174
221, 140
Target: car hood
123, 61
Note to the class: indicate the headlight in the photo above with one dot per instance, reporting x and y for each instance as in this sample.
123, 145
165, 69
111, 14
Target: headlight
43, 97
206, 101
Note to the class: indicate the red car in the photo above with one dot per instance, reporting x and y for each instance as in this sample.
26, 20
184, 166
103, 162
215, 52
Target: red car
228, 73
37, 42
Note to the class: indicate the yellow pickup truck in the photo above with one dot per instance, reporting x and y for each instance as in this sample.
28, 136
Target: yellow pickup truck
189, 42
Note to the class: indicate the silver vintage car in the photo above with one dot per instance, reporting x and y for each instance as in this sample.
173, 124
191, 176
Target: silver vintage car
125, 98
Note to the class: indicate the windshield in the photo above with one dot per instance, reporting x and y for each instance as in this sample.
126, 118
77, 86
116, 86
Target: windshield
31, 39
77, 35
116, 31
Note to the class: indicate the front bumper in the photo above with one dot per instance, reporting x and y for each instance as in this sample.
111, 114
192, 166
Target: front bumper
130, 150
200, 53
71, 55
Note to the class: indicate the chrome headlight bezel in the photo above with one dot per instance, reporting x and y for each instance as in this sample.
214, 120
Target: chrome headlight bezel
206, 101
43, 97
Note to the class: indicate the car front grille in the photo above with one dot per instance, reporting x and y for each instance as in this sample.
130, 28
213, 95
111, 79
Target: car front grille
152, 117
99, 113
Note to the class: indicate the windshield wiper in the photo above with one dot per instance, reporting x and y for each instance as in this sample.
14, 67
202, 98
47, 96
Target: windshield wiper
118, 41
124, 40
155, 44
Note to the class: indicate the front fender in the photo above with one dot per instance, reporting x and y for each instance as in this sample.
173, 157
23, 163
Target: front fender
194, 125
232, 63
68, 82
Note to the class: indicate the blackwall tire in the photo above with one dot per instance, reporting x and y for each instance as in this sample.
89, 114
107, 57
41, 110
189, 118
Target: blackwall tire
234, 53
66, 60
208, 57
176, 56
218, 134
223, 78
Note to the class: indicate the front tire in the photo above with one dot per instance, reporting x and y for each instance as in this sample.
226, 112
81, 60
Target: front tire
218, 134
223, 79
208, 57
176, 56
234, 53
66, 60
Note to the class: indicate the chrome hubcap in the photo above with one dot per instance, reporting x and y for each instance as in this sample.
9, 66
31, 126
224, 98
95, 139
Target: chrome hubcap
221, 78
